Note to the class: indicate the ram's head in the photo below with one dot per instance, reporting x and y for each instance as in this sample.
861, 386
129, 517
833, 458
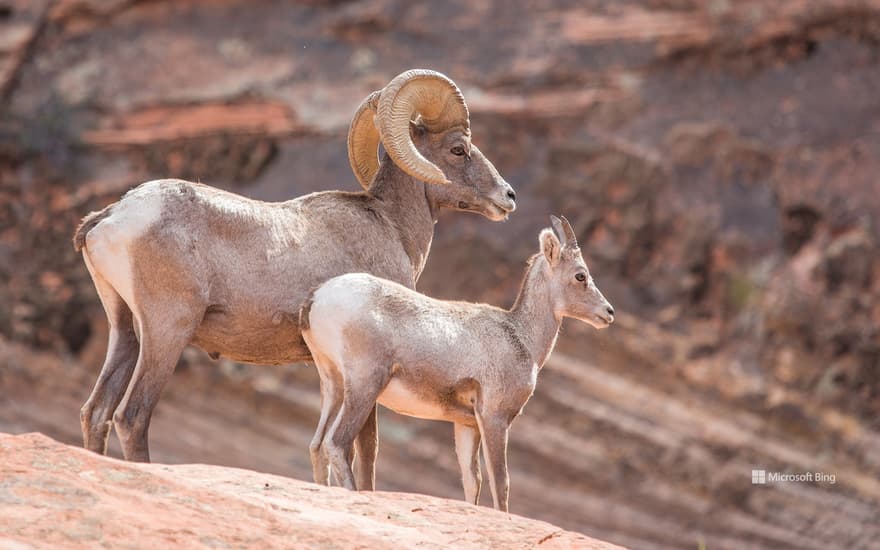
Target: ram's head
421, 119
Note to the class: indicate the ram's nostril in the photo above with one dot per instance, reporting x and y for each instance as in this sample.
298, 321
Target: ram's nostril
610, 311
511, 194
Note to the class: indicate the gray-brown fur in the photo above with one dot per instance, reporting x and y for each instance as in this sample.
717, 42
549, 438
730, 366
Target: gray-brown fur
229, 274
471, 364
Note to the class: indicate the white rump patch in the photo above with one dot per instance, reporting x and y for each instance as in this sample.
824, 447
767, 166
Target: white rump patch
108, 245
349, 300
335, 305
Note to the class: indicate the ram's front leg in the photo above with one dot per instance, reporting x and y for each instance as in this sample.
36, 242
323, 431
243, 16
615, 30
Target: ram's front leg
493, 429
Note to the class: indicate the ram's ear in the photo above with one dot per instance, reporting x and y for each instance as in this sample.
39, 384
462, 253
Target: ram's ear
550, 246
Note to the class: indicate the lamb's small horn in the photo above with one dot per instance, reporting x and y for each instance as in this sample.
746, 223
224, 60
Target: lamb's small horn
564, 231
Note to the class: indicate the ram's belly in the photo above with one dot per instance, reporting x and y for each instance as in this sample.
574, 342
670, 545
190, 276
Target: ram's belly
400, 399
262, 340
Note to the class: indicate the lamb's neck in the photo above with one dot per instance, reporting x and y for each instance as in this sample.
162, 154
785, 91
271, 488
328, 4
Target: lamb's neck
406, 201
534, 311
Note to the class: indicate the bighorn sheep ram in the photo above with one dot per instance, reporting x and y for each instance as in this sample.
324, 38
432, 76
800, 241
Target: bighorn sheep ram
176, 262
475, 365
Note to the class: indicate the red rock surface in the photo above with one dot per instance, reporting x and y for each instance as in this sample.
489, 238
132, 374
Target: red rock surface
56, 496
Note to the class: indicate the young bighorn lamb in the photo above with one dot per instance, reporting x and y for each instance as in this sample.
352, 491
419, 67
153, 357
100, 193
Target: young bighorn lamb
176, 262
471, 364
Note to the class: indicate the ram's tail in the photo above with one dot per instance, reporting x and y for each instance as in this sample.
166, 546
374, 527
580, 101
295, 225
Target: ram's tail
86, 225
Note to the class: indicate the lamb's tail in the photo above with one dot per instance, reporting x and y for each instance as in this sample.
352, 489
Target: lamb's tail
305, 310
87, 224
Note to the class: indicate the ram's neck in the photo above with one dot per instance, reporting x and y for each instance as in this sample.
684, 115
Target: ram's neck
405, 200
534, 311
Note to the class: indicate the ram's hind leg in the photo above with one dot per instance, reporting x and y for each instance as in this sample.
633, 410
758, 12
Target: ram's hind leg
165, 328
122, 354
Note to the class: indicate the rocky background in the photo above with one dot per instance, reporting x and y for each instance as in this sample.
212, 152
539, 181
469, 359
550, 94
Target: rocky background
719, 160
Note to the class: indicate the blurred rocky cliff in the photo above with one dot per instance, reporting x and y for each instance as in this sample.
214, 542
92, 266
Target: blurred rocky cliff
719, 160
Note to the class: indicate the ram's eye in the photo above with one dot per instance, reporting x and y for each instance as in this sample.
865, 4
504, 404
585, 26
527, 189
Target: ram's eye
458, 150
580, 277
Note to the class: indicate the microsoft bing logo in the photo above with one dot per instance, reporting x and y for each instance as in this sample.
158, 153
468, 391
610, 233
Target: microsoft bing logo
759, 477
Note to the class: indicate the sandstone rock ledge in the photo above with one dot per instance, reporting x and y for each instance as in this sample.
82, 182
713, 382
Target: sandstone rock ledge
55, 495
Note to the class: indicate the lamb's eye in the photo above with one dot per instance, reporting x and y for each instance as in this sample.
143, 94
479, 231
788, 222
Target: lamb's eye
458, 150
580, 277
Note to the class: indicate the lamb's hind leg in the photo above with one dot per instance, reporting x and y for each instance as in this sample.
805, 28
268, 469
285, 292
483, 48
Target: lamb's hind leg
359, 402
367, 446
164, 331
122, 354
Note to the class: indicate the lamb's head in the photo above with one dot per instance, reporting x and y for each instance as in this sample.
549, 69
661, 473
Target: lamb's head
422, 120
572, 289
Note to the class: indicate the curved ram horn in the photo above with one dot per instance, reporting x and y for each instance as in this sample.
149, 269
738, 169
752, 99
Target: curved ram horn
440, 106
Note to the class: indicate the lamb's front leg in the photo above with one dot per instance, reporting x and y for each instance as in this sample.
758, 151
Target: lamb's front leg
467, 448
493, 429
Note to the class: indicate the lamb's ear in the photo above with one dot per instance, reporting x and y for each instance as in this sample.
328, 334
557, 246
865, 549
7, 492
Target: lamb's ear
550, 246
